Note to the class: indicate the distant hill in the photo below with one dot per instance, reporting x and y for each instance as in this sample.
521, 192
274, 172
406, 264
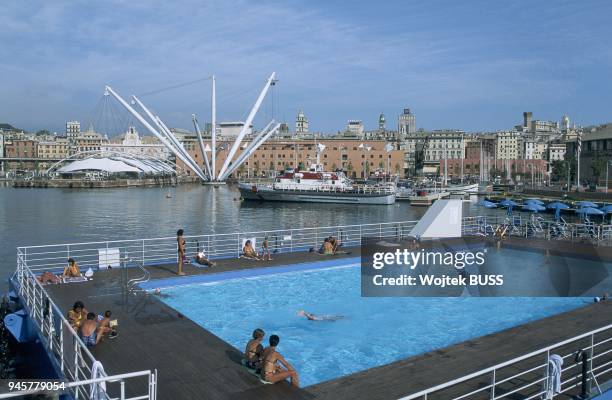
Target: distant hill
8, 127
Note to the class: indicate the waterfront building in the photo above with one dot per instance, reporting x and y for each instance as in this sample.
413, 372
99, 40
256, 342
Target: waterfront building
507, 145
596, 152
354, 128
358, 158
1, 152
527, 170
556, 151
73, 128
301, 123
406, 123
232, 129
53, 149
533, 150
132, 143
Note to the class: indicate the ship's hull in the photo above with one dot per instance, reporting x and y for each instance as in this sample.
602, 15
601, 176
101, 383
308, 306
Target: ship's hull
309, 196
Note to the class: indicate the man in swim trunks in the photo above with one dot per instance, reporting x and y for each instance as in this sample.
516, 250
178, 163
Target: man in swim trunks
271, 371
313, 317
254, 350
180, 248
89, 331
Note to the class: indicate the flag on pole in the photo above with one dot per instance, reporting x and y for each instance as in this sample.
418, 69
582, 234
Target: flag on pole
207, 148
369, 148
389, 147
320, 146
361, 146
578, 143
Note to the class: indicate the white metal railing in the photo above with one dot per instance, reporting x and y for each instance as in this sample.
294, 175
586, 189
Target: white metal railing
157, 251
501, 381
539, 227
67, 352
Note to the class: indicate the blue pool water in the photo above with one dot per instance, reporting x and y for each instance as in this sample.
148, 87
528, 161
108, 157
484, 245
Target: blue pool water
375, 331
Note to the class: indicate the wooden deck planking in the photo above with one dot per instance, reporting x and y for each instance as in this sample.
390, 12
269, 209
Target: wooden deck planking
194, 363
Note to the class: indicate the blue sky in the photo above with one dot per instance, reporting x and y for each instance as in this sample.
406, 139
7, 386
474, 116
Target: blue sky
473, 65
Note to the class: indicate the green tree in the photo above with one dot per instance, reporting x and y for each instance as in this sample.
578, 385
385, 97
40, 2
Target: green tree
598, 166
334, 167
559, 170
43, 132
397, 169
240, 170
301, 166
256, 168
271, 166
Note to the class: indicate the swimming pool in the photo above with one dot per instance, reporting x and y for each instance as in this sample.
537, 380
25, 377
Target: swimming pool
373, 332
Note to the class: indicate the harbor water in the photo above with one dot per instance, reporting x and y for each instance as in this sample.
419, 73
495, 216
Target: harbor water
50, 216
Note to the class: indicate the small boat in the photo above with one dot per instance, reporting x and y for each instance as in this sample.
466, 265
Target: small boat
423, 197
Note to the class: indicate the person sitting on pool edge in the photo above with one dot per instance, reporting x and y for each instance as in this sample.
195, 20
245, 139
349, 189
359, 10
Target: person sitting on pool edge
106, 326
72, 270
89, 331
249, 252
272, 372
77, 315
254, 350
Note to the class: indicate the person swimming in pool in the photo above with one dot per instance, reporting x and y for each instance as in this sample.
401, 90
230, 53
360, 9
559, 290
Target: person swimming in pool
313, 317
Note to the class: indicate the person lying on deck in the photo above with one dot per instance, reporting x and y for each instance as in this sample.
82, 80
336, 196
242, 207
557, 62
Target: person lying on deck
254, 350
77, 315
249, 252
72, 270
89, 331
48, 277
271, 370
201, 259
313, 317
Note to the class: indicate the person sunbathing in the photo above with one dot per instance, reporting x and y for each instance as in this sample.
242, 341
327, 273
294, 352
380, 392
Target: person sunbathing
72, 270
48, 277
327, 248
201, 259
254, 350
271, 371
89, 331
249, 252
77, 315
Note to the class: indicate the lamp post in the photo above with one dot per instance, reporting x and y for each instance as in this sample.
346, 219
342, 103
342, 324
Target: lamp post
607, 170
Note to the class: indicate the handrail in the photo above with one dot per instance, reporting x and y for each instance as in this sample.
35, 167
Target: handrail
72, 359
507, 363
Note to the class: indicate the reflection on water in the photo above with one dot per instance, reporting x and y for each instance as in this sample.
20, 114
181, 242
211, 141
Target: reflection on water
45, 216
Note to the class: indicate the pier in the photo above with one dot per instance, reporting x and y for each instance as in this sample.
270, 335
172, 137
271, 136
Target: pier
190, 362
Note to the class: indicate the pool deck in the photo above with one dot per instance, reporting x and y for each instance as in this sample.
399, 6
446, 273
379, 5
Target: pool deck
194, 363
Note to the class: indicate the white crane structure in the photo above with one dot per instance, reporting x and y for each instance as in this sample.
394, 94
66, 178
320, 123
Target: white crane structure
156, 126
202, 147
222, 173
162, 138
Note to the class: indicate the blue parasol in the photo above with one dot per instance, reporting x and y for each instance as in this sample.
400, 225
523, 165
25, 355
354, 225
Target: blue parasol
586, 204
607, 209
487, 204
535, 201
557, 205
533, 207
589, 211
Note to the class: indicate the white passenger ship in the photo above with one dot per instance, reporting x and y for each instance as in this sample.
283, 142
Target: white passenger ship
317, 186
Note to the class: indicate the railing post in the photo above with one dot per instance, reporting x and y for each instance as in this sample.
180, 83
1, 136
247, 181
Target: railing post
122, 389
143, 252
492, 395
